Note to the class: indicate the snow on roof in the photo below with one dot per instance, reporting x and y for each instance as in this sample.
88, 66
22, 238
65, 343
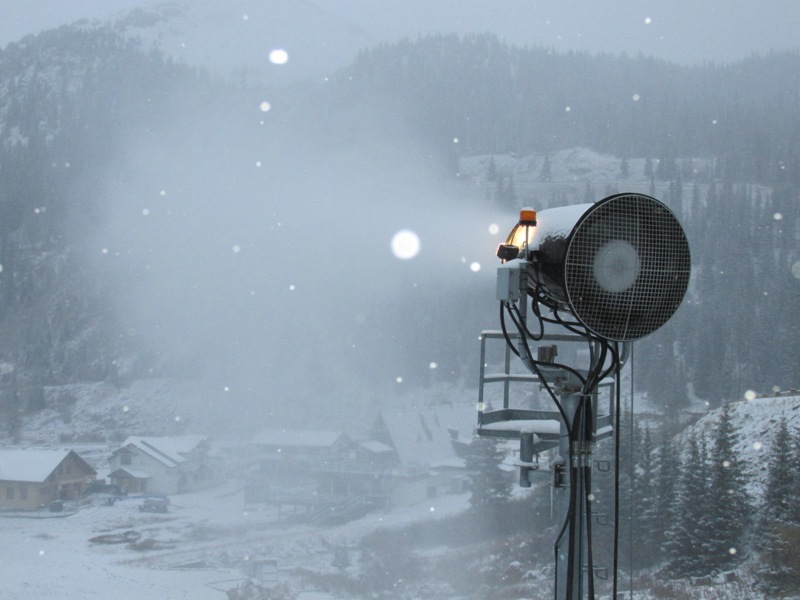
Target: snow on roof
131, 473
33, 465
424, 434
170, 451
295, 438
376, 447
450, 463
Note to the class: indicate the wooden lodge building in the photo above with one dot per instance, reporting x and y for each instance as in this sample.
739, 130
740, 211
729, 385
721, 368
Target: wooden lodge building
34, 478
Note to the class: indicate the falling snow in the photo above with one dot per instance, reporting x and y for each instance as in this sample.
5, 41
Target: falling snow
279, 56
405, 244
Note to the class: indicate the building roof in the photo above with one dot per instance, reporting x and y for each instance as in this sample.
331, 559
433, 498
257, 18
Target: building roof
376, 447
296, 439
450, 463
122, 471
171, 451
426, 434
34, 464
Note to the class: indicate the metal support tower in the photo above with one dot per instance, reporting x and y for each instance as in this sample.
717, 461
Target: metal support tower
540, 430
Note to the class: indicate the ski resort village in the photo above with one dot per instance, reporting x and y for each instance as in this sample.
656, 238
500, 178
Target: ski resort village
296, 513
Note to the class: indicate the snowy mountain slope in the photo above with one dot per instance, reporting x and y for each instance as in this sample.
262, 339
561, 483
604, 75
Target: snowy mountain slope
236, 38
103, 412
689, 32
756, 423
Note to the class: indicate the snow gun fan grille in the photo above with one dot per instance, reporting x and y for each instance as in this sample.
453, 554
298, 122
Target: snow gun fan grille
627, 267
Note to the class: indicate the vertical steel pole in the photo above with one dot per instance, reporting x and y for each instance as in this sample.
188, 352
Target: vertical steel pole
570, 548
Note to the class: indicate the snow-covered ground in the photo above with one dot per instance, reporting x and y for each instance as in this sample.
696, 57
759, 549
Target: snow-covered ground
203, 544
53, 557
197, 550
100, 410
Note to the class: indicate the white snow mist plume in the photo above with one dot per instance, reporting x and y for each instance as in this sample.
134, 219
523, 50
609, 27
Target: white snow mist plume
252, 249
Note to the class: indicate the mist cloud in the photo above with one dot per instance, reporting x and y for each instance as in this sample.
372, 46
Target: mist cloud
253, 250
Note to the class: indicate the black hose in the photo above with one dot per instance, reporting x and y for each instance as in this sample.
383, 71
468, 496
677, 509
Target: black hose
617, 416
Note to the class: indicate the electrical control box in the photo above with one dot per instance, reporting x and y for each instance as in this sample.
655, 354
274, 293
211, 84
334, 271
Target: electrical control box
511, 280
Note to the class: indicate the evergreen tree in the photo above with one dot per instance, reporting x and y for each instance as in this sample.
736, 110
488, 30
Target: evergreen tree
489, 486
776, 515
500, 191
648, 168
685, 536
667, 468
628, 519
546, 173
511, 196
729, 506
588, 193
624, 169
491, 170
644, 515
778, 499
666, 169
793, 515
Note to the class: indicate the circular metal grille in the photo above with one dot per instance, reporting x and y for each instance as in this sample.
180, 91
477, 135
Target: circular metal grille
627, 267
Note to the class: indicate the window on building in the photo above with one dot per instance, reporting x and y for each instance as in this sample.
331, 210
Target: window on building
125, 458
23, 493
9, 493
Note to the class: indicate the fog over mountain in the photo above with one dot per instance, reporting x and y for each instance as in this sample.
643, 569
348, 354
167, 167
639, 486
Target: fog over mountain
240, 236
255, 254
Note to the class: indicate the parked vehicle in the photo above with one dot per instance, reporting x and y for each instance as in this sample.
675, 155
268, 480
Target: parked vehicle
155, 505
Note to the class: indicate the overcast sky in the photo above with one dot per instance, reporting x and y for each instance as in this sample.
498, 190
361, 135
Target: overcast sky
685, 31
